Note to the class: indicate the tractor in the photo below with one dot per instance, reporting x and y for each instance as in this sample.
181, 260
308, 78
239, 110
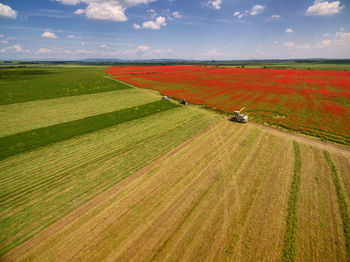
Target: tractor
238, 117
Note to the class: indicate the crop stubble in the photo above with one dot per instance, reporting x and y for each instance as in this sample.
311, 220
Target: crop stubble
74, 171
227, 203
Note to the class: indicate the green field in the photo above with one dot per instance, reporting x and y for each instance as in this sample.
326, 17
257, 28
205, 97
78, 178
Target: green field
20, 117
35, 83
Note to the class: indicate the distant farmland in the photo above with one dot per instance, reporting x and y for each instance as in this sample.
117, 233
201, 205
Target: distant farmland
121, 175
313, 102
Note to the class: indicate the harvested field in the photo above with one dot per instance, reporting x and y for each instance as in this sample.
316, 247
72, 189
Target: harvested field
20, 117
220, 196
41, 186
124, 177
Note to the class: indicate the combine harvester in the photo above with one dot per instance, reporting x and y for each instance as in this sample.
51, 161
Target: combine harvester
238, 117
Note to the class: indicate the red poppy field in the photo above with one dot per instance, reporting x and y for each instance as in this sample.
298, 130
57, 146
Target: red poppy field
314, 102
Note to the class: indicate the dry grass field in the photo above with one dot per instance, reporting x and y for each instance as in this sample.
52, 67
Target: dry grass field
220, 196
179, 184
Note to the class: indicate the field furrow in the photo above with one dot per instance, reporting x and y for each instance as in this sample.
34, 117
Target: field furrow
320, 227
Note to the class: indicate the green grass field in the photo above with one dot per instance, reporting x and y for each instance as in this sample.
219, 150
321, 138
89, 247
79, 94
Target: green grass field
35, 83
28, 140
20, 117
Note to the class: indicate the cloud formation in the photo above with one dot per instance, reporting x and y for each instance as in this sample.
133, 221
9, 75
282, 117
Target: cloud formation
255, 10
156, 25
111, 10
16, 48
7, 12
216, 4
324, 8
48, 34
176, 14
106, 11
288, 30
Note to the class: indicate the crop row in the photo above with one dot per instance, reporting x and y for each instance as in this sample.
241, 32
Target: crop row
20, 117
290, 238
342, 202
17, 143
74, 171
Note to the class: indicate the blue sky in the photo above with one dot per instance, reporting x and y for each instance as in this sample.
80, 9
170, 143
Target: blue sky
184, 29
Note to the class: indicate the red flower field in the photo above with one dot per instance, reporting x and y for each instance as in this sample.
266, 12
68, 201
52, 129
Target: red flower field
315, 102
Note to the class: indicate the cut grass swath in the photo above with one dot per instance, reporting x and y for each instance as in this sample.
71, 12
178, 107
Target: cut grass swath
39, 187
290, 238
14, 144
342, 202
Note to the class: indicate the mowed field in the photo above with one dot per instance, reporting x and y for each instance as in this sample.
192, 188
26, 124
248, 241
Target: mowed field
313, 102
179, 184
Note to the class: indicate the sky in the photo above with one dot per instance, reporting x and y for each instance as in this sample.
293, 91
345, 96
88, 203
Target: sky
174, 29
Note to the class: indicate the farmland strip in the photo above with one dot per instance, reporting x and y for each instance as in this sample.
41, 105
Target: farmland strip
342, 202
14, 144
290, 246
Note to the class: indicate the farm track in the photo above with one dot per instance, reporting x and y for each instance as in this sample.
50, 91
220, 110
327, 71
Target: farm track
229, 202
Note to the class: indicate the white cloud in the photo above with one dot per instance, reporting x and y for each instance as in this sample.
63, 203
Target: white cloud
69, 2
276, 42
7, 12
142, 49
324, 44
4, 42
136, 26
106, 11
160, 21
325, 35
292, 45
176, 14
275, 16
256, 9
70, 36
82, 44
236, 13
216, 4
15, 48
113, 10
79, 11
1, 35
289, 30
48, 34
342, 40
322, 7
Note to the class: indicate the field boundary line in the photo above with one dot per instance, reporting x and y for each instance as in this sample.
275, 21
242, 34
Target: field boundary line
342, 202
289, 251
